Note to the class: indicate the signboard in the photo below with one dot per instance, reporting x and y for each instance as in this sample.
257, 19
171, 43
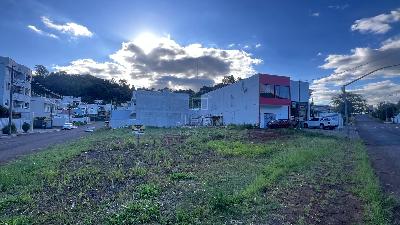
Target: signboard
138, 129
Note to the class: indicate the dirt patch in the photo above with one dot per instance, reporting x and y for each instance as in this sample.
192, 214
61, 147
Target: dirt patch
312, 201
263, 135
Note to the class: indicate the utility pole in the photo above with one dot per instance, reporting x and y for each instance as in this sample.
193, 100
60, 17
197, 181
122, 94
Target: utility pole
11, 99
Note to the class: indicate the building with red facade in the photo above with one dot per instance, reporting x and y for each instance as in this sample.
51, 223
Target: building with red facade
257, 100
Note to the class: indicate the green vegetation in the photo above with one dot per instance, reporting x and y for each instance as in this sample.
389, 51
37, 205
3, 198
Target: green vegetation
377, 207
208, 176
6, 129
26, 126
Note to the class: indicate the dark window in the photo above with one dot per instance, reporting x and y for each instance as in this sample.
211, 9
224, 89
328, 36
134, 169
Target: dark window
267, 91
282, 92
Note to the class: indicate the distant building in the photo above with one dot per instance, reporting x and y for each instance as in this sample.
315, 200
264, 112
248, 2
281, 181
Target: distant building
70, 101
255, 100
22, 86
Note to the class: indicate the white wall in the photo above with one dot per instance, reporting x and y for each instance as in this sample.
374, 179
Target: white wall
238, 103
161, 109
18, 123
281, 112
121, 118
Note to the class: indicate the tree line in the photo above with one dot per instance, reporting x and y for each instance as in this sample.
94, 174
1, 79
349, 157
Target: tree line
91, 88
358, 104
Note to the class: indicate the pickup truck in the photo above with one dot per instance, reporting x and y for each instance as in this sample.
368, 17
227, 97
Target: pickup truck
322, 123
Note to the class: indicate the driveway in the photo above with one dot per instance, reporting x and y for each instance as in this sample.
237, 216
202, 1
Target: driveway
11, 148
383, 142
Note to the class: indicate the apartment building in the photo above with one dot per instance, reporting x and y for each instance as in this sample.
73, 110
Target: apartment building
21, 86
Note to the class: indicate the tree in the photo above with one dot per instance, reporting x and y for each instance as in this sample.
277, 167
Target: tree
386, 110
41, 70
228, 80
355, 103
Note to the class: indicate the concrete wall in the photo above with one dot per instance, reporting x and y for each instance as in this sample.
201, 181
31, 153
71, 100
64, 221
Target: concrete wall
238, 103
121, 118
161, 109
18, 123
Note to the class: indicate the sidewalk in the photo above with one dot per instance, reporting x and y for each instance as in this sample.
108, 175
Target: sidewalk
35, 131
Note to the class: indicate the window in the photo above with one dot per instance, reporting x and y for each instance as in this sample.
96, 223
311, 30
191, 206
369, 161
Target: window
274, 91
282, 92
267, 90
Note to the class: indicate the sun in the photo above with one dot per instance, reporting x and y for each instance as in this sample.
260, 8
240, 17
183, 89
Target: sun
147, 41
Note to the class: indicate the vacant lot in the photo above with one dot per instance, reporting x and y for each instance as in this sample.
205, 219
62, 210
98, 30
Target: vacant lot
194, 176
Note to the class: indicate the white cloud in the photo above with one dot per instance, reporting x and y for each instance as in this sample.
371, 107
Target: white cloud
379, 24
73, 29
38, 31
316, 14
246, 47
319, 54
359, 62
231, 45
339, 7
258, 45
376, 92
167, 61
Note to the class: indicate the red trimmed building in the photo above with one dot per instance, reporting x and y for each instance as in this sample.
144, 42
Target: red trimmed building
256, 100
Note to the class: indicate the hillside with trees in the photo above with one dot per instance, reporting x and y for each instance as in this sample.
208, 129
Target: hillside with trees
91, 88
88, 87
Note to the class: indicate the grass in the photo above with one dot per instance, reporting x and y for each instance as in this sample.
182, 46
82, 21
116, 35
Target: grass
215, 176
376, 206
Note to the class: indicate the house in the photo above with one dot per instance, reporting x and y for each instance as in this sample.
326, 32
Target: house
153, 108
70, 101
43, 107
21, 87
255, 100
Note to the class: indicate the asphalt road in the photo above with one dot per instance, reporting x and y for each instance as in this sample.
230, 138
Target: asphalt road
11, 148
383, 142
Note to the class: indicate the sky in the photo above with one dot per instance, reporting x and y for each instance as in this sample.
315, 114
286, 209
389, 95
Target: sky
188, 44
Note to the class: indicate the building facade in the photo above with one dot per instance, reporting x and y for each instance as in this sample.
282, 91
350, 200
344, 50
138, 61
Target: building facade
43, 107
153, 108
21, 86
255, 100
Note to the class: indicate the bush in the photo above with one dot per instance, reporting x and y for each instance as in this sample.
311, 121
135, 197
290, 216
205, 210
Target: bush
26, 126
3, 112
6, 129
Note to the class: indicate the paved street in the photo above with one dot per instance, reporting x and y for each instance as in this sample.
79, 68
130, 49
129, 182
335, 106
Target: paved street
11, 148
383, 141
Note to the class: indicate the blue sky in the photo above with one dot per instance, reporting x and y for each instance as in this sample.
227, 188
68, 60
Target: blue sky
278, 37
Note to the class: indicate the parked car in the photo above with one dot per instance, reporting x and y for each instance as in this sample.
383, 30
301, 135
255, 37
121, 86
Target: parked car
322, 123
90, 129
68, 126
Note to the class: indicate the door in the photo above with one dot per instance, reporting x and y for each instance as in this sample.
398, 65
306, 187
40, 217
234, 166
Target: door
268, 117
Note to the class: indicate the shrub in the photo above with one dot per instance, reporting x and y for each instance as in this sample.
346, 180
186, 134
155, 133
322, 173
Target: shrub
26, 126
6, 129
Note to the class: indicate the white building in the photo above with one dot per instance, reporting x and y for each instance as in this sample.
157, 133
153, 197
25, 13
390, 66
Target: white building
70, 101
153, 108
255, 100
21, 87
43, 107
